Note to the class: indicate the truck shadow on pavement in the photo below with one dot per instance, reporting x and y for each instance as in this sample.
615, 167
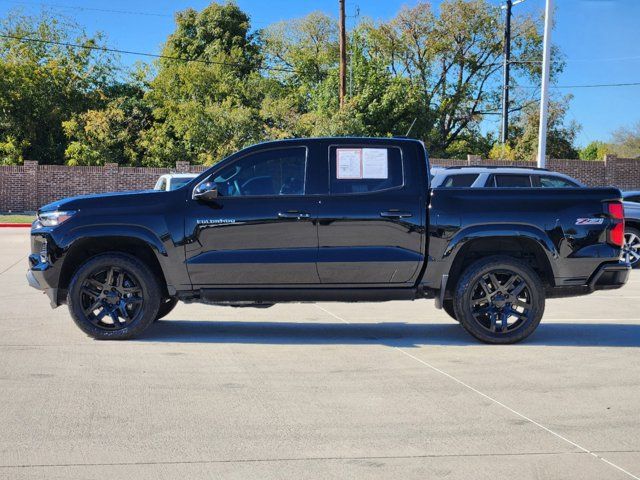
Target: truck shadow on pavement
392, 334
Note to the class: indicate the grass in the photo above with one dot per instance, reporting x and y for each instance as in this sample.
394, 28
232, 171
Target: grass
10, 218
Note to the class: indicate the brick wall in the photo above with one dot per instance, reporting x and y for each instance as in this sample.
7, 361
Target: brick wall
26, 187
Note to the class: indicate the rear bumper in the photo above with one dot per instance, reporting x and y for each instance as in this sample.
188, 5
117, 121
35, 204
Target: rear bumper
610, 276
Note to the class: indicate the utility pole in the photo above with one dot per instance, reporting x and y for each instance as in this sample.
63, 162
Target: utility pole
507, 60
544, 94
343, 56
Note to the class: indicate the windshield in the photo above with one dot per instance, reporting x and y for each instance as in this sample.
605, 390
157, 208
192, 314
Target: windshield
179, 182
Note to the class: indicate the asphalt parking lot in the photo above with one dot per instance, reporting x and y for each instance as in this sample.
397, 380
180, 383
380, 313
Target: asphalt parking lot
392, 390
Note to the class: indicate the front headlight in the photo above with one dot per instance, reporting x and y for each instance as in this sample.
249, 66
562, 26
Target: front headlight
52, 219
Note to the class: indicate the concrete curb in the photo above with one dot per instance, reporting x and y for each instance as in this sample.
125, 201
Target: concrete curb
9, 225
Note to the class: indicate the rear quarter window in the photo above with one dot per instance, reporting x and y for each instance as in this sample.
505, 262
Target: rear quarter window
462, 180
550, 181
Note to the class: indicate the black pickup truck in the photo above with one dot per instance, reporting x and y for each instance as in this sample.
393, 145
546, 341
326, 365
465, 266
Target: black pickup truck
327, 219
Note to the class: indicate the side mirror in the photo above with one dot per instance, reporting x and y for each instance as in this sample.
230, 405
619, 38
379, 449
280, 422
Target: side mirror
206, 191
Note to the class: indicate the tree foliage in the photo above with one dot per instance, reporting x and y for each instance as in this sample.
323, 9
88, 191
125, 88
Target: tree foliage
595, 150
222, 85
42, 85
626, 141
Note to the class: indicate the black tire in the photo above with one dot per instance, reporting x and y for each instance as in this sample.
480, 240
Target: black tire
113, 296
631, 249
166, 305
447, 306
506, 312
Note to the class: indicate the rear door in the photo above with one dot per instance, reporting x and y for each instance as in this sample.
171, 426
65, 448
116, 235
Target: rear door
371, 222
261, 229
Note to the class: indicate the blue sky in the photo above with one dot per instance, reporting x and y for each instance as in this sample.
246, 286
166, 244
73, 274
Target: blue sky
599, 38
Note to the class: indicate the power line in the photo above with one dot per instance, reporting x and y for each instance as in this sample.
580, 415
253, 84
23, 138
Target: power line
106, 10
142, 54
581, 60
94, 9
276, 69
594, 85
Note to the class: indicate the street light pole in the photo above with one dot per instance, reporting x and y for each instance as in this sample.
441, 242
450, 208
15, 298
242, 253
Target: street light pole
507, 60
544, 94
343, 56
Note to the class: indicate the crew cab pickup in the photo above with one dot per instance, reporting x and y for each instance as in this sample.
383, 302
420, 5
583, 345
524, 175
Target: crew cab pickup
327, 219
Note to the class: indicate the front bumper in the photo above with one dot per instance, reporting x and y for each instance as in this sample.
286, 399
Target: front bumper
38, 278
610, 276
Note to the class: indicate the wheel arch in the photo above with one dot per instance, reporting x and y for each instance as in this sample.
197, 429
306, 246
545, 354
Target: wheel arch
632, 222
526, 245
82, 249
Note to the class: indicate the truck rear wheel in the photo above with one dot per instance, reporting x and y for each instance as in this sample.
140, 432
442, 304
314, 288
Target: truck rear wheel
499, 300
113, 296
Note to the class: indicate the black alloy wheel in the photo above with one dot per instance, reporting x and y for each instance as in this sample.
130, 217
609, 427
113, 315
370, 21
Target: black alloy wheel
499, 300
113, 296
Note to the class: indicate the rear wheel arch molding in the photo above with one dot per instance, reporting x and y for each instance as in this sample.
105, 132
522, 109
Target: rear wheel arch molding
514, 241
472, 233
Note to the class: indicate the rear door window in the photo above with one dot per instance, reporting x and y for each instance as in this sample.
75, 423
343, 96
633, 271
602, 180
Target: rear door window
462, 180
511, 181
354, 169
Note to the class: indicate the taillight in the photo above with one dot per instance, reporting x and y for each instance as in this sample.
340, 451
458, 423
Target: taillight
616, 233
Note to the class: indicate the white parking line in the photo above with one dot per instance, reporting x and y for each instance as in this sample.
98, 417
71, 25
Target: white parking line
497, 402
13, 264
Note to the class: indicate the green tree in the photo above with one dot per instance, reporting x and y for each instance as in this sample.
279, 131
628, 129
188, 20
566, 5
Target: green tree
454, 60
595, 150
207, 107
44, 84
561, 135
626, 141
110, 134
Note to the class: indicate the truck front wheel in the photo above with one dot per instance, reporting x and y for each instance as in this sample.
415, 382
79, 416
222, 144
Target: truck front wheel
166, 305
447, 306
113, 296
499, 300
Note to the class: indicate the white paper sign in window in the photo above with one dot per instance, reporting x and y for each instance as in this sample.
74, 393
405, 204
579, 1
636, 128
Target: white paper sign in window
375, 163
349, 163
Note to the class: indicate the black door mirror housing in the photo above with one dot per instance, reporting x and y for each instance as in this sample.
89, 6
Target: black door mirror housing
206, 191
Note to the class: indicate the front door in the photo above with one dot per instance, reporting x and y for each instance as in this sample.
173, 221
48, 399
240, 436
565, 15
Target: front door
261, 228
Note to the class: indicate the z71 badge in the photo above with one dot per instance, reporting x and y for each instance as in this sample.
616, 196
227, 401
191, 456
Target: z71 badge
589, 221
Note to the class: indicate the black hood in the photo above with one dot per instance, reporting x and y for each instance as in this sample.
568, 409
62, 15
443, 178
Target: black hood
106, 200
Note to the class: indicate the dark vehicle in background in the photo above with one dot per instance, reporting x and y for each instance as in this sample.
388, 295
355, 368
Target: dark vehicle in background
327, 219
632, 227
507, 177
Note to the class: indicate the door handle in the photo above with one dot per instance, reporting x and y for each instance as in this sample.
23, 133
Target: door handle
293, 214
395, 214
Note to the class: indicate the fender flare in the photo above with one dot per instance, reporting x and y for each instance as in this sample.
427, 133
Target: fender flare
507, 230
113, 230
70, 240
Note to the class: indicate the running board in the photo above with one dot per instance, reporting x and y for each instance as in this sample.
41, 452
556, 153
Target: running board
278, 295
